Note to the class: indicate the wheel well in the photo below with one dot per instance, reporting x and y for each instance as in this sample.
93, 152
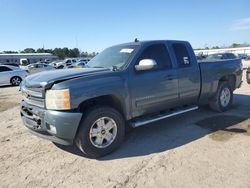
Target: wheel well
231, 79
108, 100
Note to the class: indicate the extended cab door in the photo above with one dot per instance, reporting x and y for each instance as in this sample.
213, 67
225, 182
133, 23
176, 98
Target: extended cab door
153, 90
188, 73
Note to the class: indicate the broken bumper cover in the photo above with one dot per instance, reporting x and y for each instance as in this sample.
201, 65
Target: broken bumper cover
56, 126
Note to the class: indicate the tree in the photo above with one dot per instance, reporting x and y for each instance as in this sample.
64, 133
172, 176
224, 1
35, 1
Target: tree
42, 50
84, 54
28, 50
74, 52
59, 53
235, 45
215, 47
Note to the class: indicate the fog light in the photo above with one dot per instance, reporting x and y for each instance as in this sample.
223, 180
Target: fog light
51, 128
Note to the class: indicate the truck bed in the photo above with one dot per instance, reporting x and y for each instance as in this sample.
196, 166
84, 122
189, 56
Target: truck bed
213, 71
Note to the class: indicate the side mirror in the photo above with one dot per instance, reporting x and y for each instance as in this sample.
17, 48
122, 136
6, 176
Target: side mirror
146, 64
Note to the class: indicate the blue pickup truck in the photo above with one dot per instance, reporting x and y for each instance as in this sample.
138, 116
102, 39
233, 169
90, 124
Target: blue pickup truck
127, 85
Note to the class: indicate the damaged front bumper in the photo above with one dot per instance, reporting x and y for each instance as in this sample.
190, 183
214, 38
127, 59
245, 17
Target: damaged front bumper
56, 126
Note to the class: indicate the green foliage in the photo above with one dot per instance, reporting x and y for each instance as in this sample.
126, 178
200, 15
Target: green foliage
61, 53
215, 47
235, 45
42, 50
65, 52
28, 50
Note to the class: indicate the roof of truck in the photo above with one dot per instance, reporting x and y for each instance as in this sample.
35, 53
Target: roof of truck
149, 42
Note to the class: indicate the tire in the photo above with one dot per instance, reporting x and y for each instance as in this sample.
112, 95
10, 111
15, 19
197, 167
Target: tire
247, 77
223, 98
15, 81
100, 142
60, 67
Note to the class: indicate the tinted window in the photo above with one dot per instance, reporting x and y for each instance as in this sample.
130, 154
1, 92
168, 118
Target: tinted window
3, 69
231, 56
181, 54
159, 53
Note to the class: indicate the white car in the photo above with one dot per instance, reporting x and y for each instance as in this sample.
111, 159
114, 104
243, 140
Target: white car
64, 63
39, 67
10, 75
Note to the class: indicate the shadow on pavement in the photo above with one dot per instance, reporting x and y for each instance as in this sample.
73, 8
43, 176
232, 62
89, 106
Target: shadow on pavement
6, 86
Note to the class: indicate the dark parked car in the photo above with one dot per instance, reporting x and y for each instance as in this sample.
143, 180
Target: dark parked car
130, 84
243, 56
221, 56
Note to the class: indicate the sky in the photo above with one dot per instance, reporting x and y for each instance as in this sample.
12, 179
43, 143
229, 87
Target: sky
93, 25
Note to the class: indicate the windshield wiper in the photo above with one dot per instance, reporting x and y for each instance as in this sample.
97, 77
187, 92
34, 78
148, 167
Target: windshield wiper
97, 67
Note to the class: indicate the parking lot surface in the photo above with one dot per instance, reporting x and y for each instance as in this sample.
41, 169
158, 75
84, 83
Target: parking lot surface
198, 149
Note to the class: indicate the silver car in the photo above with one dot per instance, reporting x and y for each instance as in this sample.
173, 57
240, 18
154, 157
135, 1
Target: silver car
10, 75
39, 67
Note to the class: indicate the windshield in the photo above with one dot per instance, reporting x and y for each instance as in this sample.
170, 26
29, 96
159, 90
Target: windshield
114, 58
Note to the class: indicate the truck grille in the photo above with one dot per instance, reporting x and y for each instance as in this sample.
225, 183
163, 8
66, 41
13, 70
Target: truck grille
33, 96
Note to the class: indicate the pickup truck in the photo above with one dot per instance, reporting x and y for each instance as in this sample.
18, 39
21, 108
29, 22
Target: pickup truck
64, 63
127, 85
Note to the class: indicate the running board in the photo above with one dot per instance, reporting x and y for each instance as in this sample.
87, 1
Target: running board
151, 119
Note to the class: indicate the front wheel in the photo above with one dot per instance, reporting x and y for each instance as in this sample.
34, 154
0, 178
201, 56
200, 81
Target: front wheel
15, 81
101, 131
223, 99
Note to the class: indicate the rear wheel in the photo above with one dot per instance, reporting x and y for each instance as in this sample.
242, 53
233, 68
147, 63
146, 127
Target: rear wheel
101, 132
223, 98
15, 81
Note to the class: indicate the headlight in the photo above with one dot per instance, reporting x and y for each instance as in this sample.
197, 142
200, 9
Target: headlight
57, 99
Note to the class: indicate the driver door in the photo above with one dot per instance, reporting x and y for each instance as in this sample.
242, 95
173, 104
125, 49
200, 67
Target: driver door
157, 89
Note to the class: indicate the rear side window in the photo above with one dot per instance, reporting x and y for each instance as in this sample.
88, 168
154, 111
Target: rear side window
4, 69
230, 56
159, 53
182, 55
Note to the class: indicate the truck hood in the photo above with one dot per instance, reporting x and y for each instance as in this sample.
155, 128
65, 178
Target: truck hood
46, 78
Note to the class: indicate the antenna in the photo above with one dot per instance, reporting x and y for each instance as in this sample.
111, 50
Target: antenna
136, 40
